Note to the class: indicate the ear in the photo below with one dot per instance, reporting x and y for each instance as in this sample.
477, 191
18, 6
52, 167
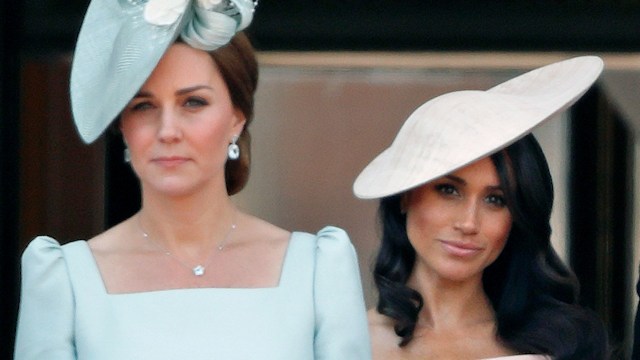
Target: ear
239, 120
121, 129
124, 139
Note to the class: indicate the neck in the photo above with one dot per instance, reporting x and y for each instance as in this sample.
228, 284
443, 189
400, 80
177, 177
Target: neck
192, 224
451, 304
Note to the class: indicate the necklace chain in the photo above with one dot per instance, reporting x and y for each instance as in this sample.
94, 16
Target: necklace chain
199, 269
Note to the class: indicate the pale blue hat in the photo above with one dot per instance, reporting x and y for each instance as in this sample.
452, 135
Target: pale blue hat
122, 41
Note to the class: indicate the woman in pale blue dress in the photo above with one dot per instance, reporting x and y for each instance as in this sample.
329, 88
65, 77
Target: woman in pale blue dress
466, 269
189, 276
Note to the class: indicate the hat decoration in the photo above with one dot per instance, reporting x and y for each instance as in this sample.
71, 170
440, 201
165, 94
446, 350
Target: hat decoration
122, 41
455, 129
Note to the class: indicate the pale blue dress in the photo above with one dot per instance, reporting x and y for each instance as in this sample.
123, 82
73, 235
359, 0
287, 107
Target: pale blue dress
316, 312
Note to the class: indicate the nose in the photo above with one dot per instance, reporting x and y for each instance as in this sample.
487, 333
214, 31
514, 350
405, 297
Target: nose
468, 221
169, 127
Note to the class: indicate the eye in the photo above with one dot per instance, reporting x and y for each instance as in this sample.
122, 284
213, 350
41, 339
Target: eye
447, 189
141, 106
496, 200
195, 101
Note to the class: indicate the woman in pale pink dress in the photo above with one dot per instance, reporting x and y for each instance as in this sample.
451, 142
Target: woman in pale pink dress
465, 269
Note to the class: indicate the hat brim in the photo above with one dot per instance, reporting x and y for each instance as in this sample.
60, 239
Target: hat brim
458, 128
121, 42
116, 52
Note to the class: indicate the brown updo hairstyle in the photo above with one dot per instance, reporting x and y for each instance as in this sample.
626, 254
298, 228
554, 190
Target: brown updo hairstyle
238, 66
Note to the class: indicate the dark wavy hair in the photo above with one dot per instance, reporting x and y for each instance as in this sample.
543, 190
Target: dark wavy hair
534, 294
239, 69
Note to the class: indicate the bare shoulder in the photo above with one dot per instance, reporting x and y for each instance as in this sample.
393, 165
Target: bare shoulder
380, 326
264, 243
384, 341
112, 240
258, 250
377, 319
262, 231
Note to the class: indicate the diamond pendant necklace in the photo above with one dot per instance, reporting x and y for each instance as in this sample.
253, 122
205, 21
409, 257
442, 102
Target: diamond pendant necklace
197, 270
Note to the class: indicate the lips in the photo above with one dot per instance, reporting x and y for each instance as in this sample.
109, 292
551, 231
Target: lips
169, 161
460, 248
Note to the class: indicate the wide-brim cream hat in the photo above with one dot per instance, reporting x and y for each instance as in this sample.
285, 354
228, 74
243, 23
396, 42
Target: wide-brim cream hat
458, 128
121, 42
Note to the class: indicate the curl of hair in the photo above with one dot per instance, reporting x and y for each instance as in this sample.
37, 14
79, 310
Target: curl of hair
534, 294
393, 267
238, 66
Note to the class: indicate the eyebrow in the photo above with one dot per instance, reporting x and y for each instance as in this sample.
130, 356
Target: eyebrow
461, 181
456, 179
143, 94
193, 88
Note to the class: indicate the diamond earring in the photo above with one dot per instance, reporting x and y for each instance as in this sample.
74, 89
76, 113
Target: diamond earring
127, 155
233, 151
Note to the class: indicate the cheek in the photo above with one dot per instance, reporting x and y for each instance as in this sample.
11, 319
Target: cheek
214, 124
213, 136
211, 142
134, 134
133, 124
425, 221
499, 231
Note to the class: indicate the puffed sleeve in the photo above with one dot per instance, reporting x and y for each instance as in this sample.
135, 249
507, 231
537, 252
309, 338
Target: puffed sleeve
45, 319
341, 323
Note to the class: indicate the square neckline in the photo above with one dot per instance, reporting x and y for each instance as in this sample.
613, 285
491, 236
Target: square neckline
286, 260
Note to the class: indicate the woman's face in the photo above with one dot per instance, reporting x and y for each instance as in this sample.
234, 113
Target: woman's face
180, 123
458, 224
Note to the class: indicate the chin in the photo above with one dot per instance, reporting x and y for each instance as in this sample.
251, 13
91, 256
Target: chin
460, 273
175, 188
